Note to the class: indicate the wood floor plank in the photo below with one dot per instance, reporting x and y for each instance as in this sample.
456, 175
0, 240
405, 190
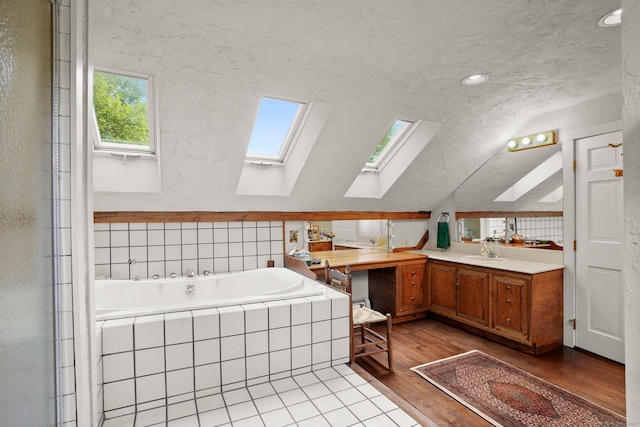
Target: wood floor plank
594, 378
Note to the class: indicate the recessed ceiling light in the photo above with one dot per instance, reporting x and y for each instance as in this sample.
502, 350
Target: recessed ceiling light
475, 79
611, 19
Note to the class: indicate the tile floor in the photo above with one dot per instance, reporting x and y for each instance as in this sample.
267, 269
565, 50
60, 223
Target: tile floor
335, 396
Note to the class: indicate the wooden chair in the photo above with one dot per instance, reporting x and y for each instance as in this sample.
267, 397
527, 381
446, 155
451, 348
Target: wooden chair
364, 340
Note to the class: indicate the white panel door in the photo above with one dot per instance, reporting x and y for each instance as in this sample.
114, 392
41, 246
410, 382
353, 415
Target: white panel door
600, 246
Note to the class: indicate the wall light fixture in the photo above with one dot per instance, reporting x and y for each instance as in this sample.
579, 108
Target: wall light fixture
532, 141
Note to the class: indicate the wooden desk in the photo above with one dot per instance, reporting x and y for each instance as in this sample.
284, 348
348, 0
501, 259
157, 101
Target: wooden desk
397, 280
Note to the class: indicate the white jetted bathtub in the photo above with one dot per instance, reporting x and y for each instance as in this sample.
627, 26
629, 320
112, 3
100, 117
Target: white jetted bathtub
128, 298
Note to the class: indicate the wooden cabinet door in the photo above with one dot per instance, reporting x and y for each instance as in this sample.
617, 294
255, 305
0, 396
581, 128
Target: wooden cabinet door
473, 296
510, 313
411, 288
442, 289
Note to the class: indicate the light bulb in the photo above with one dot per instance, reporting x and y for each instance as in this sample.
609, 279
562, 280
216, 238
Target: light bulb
475, 79
526, 140
511, 144
541, 137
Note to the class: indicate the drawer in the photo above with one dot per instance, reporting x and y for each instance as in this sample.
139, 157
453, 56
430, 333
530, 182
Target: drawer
412, 291
413, 273
509, 308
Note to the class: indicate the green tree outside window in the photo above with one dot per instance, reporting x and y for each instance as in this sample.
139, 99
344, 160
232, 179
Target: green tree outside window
121, 107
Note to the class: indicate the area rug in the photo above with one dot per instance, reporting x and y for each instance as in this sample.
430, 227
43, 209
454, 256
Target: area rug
507, 396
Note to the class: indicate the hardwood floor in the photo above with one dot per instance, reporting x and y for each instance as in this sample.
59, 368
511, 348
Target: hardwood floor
594, 378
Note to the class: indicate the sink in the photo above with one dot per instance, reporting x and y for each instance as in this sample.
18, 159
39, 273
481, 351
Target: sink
480, 258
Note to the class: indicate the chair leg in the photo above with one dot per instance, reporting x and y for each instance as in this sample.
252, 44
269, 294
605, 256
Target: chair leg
352, 350
389, 345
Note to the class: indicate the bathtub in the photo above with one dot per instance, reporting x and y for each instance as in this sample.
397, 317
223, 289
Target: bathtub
117, 299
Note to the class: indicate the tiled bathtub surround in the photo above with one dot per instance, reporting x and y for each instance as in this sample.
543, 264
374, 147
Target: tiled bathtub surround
175, 247
156, 362
334, 396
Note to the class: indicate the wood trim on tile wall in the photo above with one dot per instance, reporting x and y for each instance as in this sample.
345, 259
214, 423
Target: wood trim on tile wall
501, 214
208, 216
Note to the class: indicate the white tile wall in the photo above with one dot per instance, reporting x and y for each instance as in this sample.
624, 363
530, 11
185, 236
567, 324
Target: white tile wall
64, 287
165, 248
152, 361
542, 228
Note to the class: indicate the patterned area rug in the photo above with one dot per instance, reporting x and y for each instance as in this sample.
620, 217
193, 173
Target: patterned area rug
507, 396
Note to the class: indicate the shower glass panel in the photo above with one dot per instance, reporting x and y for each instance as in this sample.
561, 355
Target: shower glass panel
27, 368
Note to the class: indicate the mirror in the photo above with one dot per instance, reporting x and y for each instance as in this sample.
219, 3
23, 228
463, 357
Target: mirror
520, 181
358, 234
527, 181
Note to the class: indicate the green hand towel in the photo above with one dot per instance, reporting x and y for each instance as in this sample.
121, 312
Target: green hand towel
443, 240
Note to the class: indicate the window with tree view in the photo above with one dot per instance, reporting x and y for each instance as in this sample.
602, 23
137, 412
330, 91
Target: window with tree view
123, 111
388, 144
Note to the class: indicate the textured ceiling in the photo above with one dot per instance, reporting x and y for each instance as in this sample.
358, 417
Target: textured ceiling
374, 61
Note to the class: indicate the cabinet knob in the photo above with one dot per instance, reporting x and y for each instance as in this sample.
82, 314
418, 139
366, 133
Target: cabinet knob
413, 272
507, 287
413, 298
509, 300
508, 319
413, 283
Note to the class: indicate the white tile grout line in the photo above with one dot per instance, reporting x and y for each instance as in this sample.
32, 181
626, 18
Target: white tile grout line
302, 384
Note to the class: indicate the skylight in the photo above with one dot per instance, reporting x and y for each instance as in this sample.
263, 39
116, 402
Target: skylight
124, 111
398, 151
274, 129
388, 143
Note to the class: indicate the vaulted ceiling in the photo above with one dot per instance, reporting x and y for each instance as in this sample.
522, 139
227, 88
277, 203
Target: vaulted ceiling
373, 61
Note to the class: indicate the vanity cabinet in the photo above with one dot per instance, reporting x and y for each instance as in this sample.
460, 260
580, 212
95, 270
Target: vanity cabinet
411, 291
459, 292
522, 310
400, 291
510, 309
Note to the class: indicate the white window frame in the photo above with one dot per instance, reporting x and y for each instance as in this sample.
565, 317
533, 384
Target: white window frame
392, 147
297, 124
152, 122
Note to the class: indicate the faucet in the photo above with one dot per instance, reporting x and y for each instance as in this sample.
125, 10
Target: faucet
490, 249
134, 263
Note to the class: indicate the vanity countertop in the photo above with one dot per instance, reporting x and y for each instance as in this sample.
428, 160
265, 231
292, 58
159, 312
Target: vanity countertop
510, 264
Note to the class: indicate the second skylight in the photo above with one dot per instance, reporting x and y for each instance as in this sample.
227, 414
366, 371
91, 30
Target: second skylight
274, 129
397, 130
